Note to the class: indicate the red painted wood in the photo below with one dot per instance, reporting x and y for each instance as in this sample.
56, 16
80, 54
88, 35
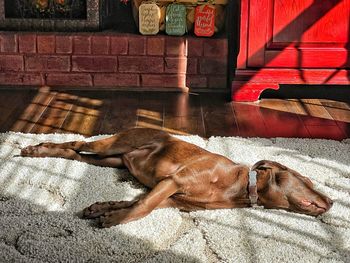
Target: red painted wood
307, 58
250, 83
249, 91
331, 25
291, 42
294, 76
292, 23
243, 49
257, 32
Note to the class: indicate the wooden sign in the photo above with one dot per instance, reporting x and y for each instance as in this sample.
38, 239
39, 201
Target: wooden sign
175, 20
149, 15
204, 20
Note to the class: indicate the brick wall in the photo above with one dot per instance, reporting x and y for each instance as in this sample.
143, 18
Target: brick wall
110, 60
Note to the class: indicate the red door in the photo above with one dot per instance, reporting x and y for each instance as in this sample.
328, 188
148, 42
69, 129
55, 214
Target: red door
299, 33
291, 42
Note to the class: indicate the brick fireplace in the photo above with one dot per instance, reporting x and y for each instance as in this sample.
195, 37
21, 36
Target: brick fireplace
112, 59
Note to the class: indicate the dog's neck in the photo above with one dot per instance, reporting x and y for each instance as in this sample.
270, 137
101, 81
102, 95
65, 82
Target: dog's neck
252, 188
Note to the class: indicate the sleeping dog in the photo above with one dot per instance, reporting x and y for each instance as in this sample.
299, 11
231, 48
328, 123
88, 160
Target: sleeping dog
185, 176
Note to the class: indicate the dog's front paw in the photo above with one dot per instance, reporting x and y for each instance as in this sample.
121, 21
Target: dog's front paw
99, 208
94, 211
40, 151
114, 218
29, 151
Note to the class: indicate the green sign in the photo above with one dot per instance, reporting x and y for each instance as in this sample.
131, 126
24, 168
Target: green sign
175, 20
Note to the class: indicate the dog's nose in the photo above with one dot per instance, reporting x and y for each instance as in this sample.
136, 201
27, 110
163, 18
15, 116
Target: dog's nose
323, 204
330, 203
327, 203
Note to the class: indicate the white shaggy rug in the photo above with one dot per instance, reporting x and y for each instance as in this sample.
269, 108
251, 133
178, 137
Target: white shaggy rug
39, 198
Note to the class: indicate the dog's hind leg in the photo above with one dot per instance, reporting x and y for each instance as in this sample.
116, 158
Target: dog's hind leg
115, 145
42, 151
104, 147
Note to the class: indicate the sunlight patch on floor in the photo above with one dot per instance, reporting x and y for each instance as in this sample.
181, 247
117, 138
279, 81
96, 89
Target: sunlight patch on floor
47, 185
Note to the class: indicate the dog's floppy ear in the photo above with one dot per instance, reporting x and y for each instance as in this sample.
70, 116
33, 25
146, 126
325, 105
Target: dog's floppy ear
262, 165
265, 164
265, 172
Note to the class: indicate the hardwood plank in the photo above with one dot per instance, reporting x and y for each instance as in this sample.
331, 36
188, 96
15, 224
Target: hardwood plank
183, 114
326, 132
218, 116
316, 114
249, 120
311, 112
296, 106
12, 104
340, 112
184, 125
282, 124
345, 128
182, 104
320, 123
7, 106
33, 111
150, 111
205, 114
274, 104
121, 112
220, 124
103, 105
281, 120
83, 116
55, 114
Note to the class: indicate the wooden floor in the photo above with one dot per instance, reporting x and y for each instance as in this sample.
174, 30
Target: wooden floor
205, 114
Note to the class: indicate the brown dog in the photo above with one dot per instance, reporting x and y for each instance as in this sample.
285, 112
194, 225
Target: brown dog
185, 176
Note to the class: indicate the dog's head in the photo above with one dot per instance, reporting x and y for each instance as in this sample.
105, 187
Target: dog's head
281, 187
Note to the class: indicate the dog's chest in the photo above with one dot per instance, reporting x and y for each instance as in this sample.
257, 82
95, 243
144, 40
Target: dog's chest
147, 166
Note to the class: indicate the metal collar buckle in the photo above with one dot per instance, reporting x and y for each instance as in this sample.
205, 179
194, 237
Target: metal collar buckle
252, 189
